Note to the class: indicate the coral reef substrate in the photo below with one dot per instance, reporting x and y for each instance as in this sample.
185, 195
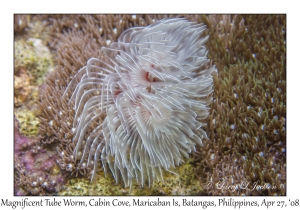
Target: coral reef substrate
247, 122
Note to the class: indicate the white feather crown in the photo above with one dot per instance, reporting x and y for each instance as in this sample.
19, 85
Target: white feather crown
155, 92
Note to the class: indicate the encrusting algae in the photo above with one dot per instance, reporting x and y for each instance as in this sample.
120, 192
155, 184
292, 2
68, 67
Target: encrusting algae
247, 121
35, 57
28, 122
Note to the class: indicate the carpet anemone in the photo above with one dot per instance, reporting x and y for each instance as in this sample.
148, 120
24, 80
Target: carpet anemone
142, 112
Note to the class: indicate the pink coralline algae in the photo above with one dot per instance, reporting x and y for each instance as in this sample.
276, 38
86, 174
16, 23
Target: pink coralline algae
36, 168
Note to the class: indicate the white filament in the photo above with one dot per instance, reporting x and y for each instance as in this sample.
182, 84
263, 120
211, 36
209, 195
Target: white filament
153, 95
